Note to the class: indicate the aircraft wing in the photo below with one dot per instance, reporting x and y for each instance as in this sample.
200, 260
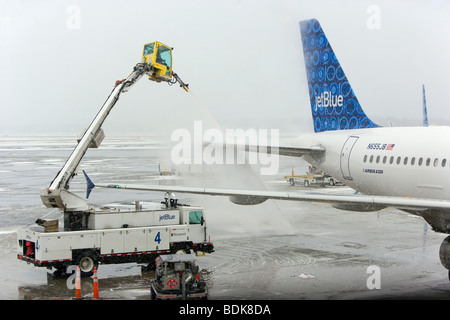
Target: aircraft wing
286, 151
280, 150
375, 202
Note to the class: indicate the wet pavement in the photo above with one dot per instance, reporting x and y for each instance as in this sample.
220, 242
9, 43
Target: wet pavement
324, 254
279, 250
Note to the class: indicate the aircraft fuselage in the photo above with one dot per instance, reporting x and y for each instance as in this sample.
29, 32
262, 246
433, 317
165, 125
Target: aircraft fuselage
388, 161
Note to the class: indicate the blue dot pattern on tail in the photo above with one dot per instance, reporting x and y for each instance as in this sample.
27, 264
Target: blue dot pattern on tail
333, 103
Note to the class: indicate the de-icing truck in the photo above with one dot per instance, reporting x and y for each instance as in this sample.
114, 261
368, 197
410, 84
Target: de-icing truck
90, 236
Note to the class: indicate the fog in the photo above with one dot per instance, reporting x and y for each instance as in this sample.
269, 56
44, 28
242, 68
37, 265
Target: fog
242, 59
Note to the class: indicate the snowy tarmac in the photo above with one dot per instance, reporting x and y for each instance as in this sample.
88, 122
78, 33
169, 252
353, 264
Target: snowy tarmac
282, 250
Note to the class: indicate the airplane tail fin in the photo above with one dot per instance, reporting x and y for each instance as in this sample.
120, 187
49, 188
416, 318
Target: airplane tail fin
334, 105
425, 113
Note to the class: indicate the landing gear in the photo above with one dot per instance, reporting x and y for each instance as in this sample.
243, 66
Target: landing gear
444, 254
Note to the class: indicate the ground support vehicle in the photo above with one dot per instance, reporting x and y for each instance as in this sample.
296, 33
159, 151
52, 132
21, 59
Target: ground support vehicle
91, 236
309, 180
313, 177
178, 278
107, 236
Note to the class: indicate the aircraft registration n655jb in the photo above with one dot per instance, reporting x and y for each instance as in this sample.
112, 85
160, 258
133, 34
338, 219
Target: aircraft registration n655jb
403, 167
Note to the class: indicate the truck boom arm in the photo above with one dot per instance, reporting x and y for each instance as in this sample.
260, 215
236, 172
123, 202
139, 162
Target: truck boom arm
57, 194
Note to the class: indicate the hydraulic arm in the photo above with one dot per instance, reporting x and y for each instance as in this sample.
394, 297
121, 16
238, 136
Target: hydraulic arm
157, 64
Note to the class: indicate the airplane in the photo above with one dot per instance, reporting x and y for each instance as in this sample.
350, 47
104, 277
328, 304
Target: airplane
407, 168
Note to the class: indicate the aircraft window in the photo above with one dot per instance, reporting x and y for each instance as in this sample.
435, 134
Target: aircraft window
420, 161
384, 159
428, 161
444, 162
413, 160
371, 159
405, 162
365, 158
391, 160
378, 159
399, 159
436, 162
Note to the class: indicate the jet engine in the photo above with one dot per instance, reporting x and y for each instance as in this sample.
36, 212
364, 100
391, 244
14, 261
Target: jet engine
444, 253
357, 207
247, 200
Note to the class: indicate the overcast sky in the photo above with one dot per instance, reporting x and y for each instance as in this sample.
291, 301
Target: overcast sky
242, 58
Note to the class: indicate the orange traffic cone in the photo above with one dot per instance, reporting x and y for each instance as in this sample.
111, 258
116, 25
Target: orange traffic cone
95, 296
78, 284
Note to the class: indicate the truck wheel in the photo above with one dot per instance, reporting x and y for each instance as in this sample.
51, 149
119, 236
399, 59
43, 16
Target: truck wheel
152, 294
306, 183
87, 261
332, 183
291, 182
183, 251
180, 249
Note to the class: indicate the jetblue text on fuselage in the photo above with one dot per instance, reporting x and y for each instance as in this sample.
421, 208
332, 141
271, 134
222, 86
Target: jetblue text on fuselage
326, 99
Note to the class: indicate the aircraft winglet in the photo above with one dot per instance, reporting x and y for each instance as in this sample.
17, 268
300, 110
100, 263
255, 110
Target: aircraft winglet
90, 185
